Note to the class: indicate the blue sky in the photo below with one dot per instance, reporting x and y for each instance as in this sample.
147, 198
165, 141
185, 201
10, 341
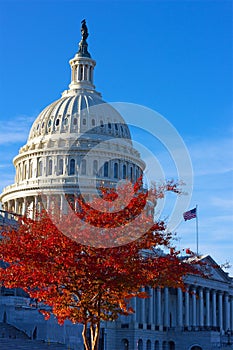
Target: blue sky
174, 57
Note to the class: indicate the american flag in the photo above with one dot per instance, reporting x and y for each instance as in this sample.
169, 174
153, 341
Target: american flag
191, 214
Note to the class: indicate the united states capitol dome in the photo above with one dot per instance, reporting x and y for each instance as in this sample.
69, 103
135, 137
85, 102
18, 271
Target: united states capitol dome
79, 136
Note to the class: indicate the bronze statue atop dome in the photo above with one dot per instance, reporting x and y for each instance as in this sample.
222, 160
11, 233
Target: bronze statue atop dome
84, 30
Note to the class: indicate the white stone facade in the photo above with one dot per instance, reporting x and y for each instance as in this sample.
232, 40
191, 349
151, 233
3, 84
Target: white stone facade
200, 318
54, 161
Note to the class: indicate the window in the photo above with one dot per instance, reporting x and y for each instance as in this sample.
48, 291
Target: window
131, 174
95, 167
125, 344
75, 121
24, 171
124, 172
140, 344
83, 167
148, 345
116, 127
101, 123
65, 122
106, 169
50, 167
116, 171
40, 168
30, 169
109, 125
49, 123
57, 122
81, 73
72, 167
60, 167
93, 122
84, 122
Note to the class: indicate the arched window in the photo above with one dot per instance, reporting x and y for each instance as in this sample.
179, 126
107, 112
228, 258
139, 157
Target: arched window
25, 170
116, 171
60, 167
81, 73
83, 167
109, 126
156, 345
30, 169
131, 174
125, 344
50, 167
164, 345
106, 169
101, 123
124, 171
85, 72
140, 344
171, 345
84, 121
72, 167
95, 167
57, 122
93, 122
40, 168
148, 345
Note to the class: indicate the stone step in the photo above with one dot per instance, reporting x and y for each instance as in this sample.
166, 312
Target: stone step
8, 331
27, 344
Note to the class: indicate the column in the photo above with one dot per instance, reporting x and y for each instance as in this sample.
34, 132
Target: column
187, 307
88, 73
134, 306
143, 318
207, 300
231, 306
35, 206
150, 315
227, 312
154, 296
158, 304
179, 307
16, 206
24, 206
214, 318
62, 203
201, 309
48, 203
220, 323
194, 310
166, 307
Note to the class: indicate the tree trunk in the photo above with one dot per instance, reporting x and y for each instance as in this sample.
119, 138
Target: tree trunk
85, 337
95, 335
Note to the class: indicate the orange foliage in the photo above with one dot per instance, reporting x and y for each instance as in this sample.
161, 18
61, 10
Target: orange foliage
76, 275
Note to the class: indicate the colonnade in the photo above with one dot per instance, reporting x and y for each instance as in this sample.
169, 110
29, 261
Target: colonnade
31, 205
198, 308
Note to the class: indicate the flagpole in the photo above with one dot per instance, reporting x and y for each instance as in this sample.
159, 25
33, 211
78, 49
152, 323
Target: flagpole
197, 231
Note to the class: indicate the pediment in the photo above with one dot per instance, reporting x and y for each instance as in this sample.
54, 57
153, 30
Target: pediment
215, 270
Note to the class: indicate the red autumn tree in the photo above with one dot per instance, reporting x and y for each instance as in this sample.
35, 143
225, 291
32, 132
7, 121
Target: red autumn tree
88, 265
